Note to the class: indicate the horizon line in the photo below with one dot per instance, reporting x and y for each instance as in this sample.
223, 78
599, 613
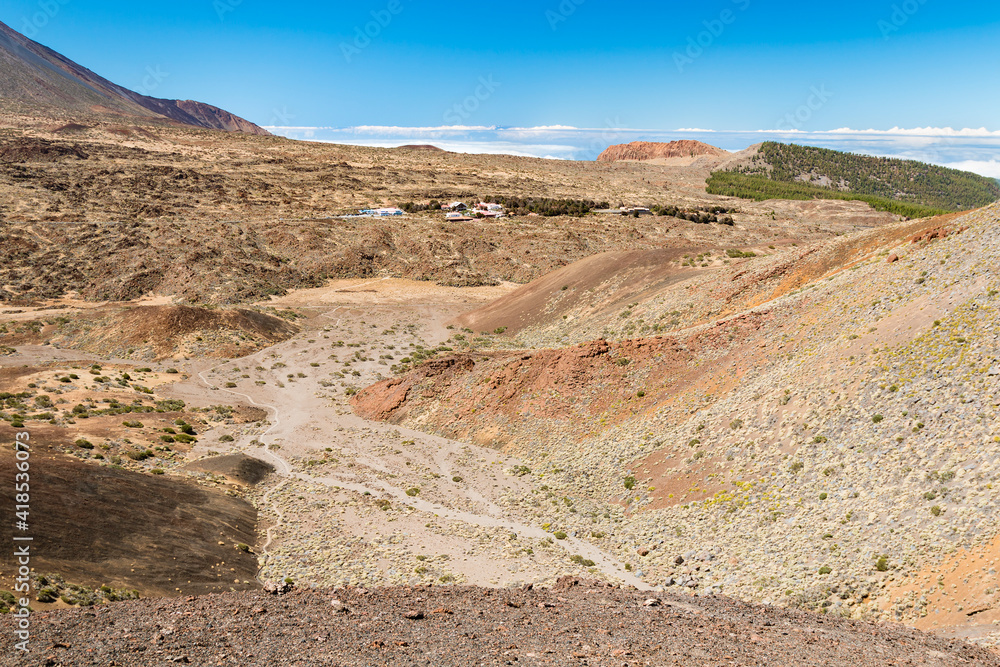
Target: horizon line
943, 132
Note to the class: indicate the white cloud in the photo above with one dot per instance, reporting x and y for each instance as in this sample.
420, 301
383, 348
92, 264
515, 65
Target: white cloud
545, 128
441, 129
919, 132
989, 168
294, 128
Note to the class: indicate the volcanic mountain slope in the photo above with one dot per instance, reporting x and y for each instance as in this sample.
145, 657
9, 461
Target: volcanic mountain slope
38, 77
812, 427
645, 150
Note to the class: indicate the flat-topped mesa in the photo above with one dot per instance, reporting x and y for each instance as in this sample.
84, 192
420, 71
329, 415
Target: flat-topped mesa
648, 150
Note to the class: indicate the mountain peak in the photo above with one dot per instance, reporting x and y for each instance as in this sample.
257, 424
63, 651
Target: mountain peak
37, 76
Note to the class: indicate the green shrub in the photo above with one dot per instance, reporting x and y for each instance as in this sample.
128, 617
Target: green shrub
560, 535
629, 482
84, 444
882, 564
413, 492
825, 570
47, 595
877, 419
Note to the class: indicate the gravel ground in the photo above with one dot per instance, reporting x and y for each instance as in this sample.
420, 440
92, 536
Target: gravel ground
573, 623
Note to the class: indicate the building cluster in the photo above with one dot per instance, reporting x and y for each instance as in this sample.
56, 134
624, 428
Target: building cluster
381, 212
455, 211
459, 212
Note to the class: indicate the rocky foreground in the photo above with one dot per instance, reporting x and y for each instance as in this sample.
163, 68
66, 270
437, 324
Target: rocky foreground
573, 623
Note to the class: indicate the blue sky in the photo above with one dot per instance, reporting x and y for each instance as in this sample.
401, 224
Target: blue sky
733, 65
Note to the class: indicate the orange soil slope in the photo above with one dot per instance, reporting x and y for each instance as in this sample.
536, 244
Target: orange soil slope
601, 283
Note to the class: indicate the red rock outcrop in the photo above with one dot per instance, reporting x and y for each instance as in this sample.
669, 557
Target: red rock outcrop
645, 150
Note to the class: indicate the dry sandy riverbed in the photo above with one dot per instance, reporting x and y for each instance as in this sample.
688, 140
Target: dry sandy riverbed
356, 502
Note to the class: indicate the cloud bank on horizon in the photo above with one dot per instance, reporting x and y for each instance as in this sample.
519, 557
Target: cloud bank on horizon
969, 149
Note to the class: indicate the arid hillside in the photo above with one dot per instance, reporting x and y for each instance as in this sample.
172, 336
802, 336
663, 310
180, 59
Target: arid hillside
149, 332
116, 212
821, 421
789, 402
116, 526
